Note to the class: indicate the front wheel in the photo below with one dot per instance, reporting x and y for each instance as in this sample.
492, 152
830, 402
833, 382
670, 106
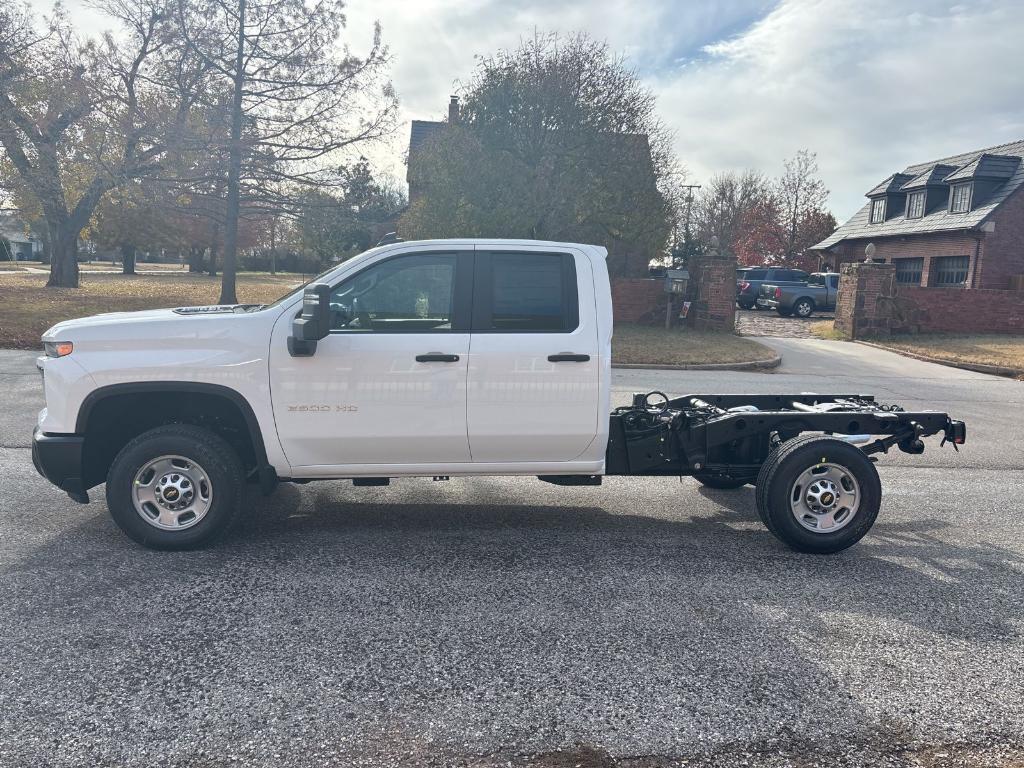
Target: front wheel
175, 487
818, 494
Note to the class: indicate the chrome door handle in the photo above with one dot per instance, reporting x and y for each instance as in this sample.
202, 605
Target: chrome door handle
568, 357
437, 357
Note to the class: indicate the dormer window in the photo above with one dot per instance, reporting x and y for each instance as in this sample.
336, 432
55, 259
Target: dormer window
960, 199
915, 205
878, 210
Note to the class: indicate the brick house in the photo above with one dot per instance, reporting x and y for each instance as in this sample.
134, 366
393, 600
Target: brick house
956, 222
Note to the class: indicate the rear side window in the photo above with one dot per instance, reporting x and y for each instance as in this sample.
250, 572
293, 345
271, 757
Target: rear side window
755, 274
525, 292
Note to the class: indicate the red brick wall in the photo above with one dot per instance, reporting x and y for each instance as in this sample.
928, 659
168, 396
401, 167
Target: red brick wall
714, 305
954, 310
637, 300
1002, 251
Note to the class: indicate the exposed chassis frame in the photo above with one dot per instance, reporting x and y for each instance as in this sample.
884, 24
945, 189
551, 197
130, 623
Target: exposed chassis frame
698, 434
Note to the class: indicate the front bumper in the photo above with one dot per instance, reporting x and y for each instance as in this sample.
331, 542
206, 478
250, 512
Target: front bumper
58, 458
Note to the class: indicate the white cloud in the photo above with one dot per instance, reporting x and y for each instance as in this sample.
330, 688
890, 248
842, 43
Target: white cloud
871, 85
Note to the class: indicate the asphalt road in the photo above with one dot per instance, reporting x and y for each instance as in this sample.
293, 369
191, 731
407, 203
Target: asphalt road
492, 621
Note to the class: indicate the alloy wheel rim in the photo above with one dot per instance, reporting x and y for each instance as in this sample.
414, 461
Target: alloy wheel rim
172, 493
825, 498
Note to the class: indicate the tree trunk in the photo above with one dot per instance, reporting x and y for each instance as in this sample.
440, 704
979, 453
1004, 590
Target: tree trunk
227, 286
127, 259
273, 245
211, 268
63, 256
195, 259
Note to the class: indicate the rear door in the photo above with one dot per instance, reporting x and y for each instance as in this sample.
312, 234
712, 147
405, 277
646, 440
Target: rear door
534, 372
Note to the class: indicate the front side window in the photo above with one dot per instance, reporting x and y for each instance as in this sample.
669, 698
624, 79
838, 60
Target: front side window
960, 200
526, 292
406, 294
951, 270
915, 205
908, 271
878, 211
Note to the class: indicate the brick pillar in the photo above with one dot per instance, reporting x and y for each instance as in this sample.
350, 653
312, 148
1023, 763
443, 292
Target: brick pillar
713, 286
866, 296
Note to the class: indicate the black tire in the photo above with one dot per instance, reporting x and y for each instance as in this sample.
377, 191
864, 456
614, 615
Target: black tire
719, 482
744, 305
784, 311
219, 463
760, 485
803, 307
779, 474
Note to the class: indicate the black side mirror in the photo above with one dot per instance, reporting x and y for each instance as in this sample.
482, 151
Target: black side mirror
314, 323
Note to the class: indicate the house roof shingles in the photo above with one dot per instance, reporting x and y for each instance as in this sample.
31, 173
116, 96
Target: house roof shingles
993, 160
421, 131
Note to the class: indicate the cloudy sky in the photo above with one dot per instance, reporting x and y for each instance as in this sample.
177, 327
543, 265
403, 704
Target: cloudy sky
870, 85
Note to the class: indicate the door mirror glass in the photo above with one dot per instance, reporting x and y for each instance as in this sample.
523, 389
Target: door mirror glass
314, 323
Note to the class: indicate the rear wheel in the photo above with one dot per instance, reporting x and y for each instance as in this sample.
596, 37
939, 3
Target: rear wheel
818, 494
784, 311
175, 487
803, 307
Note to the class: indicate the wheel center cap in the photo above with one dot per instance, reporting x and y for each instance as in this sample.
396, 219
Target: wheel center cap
822, 496
174, 491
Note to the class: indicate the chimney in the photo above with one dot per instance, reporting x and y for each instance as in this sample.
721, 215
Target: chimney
453, 110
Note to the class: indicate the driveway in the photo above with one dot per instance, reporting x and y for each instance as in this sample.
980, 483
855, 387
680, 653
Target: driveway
751, 322
491, 621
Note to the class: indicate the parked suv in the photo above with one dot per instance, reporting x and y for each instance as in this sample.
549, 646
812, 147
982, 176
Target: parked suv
750, 280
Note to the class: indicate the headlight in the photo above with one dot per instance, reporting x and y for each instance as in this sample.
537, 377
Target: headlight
58, 348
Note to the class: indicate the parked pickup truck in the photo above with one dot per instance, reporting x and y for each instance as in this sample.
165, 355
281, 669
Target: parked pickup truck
803, 300
428, 359
750, 279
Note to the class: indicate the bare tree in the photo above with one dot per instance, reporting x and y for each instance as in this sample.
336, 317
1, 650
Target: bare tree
293, 99
800, 196
724, 204
79, 118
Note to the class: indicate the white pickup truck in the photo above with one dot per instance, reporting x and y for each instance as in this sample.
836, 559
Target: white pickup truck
434, 359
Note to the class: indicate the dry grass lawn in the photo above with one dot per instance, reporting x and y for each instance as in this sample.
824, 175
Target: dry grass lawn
1000, 350
28, 307
641, 344
1003, 350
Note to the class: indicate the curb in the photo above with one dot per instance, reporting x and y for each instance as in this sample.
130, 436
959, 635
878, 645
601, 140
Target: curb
996, 370
752, 365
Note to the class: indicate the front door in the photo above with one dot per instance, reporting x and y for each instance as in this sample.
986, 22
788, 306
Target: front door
535, 360
388, 384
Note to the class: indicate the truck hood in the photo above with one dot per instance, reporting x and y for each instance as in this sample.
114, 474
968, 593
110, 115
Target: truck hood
149, 322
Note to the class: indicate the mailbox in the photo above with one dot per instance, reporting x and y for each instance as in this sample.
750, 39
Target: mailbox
677, 280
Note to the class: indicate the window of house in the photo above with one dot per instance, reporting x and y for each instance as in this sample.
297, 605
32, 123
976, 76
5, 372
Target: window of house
915, 205
951, 270
407, 294
960, 200
878, 211
527, 292
908, 271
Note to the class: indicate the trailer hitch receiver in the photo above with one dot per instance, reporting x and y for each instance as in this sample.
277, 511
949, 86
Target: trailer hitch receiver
956, 433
